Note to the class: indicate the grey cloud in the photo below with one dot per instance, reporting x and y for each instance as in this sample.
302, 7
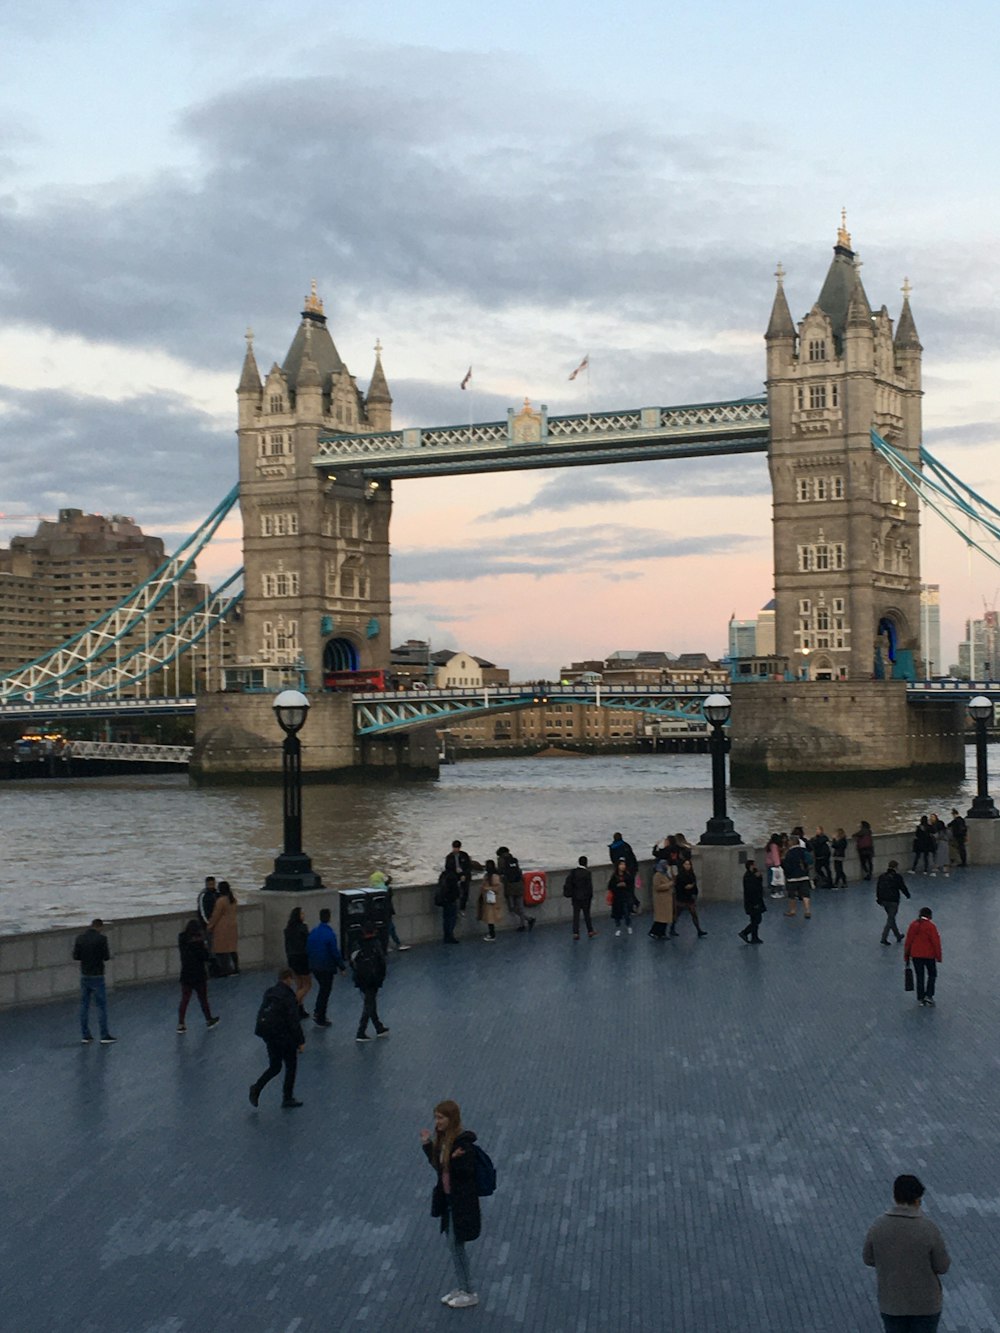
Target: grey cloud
597, 549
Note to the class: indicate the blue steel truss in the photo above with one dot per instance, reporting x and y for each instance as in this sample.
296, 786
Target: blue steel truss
377, 714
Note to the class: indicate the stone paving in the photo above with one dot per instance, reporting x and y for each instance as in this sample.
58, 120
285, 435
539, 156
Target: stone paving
690, 1136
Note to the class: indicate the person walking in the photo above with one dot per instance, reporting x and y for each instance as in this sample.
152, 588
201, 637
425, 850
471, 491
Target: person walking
368, 968
923, 947
279, 1027
959, 831
91, 951
621, 890
455, 1199
510, 872
923, 846
579, 889
753, 903
194, 973
663, 900
685, 897
864, 843
909, 1256
458, 865
888, 888
839, 849
223, 930
297, 956
819, 845
772, 862
324, 962
798, 885
380, 880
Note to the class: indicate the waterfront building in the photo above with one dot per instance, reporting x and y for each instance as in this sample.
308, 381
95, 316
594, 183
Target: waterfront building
979, 652
742, 638
765, 630
69, 572
930, 628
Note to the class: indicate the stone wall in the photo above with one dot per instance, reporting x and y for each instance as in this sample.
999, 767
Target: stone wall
841, 733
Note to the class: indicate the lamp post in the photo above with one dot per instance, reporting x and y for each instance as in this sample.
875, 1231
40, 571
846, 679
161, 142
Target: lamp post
293, 870
981, 710
719, 831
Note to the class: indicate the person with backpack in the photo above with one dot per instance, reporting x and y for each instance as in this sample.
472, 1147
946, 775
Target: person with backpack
509, 869
368, 967
579, 889
798, 885
194, 973
464, 1174
278, 1026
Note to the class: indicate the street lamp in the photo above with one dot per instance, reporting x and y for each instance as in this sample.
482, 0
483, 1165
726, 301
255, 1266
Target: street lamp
293, 870
981, 710
719, 831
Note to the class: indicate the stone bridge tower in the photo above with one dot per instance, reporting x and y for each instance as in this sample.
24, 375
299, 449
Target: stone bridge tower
846, 528
315, 549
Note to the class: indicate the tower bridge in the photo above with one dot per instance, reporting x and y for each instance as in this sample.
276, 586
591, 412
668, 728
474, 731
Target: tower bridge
318, 458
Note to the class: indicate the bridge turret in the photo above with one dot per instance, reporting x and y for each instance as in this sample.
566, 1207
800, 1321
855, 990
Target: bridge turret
378, 404
859, 336
906, 345
250, 388
780, 335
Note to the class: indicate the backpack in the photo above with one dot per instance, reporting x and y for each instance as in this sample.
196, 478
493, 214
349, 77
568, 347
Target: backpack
367, 965
486, 1172
512, 874
270, 1019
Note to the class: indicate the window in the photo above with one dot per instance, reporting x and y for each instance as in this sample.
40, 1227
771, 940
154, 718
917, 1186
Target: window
804, 490
345, 520
838, 606
817, 349
838, 555
347, 582
822, 618
822, 556
821, 488
281, 584
805, 558
801, 397
276, 403
838, 488
817, 395
805, 606
834, 395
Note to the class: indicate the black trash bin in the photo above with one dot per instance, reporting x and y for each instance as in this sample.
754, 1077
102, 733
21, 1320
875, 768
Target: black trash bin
360, 908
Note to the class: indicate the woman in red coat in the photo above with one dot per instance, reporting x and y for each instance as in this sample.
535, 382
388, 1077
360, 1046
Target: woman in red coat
923, 945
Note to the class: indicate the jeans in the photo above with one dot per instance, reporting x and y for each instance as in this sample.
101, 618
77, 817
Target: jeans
515, 906
201, 990
93, 986
459, 1258
823, 879
910, 1323
392, 933
585, 909
370, 1011
927, 861
751, 929
324, 980
449, 915
839, 878
280, 1053
890, 922
925, 989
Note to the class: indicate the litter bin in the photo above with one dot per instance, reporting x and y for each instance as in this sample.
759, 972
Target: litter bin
535, 887
360, 908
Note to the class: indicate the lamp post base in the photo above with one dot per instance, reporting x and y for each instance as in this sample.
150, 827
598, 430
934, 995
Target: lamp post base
292, 873
983, 808
719, 832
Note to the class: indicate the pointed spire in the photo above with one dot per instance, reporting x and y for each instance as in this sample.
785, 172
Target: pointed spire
313, 308
250, 378
906, 330
859, 312
308, 376
843, 235
378, 388
780, 324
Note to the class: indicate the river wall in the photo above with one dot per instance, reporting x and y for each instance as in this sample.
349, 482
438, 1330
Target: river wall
37, 966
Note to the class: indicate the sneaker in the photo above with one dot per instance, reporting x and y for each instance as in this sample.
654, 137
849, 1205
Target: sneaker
702, 934
531, 926
447, 1300
403, 948
929, 1000
630, 930
290, 1103
108, 1040
921, 1002
254, 1094
382, 1032
322, 1022
463, 1299
617, 934
490, 938
591, 934
86, 1041
362, 1036
182, 1027
214, 1021
886, 943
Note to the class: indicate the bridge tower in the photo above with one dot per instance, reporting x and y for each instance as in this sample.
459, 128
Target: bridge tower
315, 548
846, 529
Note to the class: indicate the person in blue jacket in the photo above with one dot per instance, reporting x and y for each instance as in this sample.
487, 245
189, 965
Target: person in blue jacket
324, 963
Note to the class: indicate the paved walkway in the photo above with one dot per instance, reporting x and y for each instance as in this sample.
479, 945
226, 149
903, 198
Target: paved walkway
691, 1136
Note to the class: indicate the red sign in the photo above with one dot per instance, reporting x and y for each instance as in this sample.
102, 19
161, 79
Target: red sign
535, 885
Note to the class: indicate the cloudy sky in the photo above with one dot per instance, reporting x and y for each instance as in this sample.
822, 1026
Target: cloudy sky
503, 186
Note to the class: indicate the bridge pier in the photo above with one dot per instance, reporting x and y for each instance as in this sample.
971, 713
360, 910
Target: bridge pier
238, 740
842, 733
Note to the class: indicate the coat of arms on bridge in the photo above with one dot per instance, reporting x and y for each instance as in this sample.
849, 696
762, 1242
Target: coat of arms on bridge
528, 426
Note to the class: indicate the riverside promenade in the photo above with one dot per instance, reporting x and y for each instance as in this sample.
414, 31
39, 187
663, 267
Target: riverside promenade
690, 1136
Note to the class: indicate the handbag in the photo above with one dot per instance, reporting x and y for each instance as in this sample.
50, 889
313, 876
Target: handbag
777, 877
908, 978
490, 897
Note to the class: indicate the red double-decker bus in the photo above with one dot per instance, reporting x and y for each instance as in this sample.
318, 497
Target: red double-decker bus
364, 681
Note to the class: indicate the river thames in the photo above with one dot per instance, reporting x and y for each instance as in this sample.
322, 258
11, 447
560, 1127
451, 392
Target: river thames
123, 846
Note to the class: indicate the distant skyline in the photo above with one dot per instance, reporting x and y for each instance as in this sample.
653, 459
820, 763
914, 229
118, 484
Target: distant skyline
508, 190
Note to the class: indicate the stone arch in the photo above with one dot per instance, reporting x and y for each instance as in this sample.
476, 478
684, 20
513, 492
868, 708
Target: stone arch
822, 668
340, 654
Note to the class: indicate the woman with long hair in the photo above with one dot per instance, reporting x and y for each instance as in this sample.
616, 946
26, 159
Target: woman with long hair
455, 1199
194, 972
297, 955
621, 892
223, 932
490, 893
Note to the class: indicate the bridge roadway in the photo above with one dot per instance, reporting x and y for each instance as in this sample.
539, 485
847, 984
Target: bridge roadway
395, 710
691, 1136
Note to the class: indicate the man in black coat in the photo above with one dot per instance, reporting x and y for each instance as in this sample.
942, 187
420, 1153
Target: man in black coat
579, 889
753, 903
368, 966
279, 1027
458, 868
889, 886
